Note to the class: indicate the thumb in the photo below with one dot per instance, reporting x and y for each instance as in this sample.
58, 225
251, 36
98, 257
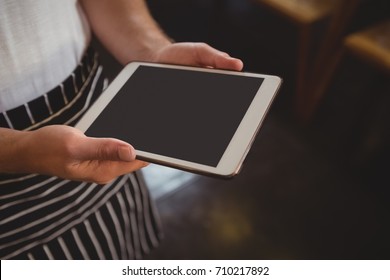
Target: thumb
105, 149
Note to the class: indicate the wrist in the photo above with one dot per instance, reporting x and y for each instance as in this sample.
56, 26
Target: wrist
148, 49
13, 151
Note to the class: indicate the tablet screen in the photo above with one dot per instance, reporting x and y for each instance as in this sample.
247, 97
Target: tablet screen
184, 114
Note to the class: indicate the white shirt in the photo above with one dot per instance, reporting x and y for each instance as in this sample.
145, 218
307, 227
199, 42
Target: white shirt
41, 43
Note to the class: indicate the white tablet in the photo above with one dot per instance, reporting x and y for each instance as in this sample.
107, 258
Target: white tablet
194, 119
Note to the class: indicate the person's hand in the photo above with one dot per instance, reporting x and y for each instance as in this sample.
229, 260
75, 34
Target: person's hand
196, 54
66, 152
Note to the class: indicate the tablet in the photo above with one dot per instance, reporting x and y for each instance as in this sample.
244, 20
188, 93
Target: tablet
196, 119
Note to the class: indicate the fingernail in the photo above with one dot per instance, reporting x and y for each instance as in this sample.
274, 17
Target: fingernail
126, 154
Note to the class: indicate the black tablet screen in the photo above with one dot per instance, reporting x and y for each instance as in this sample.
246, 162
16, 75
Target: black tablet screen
183, 114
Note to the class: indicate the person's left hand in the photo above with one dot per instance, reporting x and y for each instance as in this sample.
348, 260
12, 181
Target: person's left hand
196, 54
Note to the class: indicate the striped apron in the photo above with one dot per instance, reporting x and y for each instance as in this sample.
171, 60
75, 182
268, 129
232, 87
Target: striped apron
45, 217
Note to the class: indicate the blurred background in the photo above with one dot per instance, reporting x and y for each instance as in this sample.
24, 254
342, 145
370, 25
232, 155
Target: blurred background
316, 183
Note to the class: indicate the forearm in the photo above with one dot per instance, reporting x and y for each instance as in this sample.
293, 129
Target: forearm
11, 151
125, 28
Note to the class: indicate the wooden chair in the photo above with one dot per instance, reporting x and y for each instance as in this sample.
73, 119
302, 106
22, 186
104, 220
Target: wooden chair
301, 12
372, 45
327, 59
304, 14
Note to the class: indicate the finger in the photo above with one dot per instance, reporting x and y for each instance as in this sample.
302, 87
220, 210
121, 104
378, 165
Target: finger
105, 149
209, 57
128, 167
109, 171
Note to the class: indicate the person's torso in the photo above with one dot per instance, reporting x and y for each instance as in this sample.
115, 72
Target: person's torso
41, 43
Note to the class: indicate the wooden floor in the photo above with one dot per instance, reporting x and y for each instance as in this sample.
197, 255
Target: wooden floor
288, 203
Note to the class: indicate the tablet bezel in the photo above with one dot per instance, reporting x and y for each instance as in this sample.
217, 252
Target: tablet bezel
233, 157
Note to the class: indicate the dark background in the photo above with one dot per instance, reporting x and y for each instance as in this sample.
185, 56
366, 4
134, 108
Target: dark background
307, 191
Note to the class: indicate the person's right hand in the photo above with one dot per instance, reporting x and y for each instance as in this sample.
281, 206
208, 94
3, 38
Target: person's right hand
66, 152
